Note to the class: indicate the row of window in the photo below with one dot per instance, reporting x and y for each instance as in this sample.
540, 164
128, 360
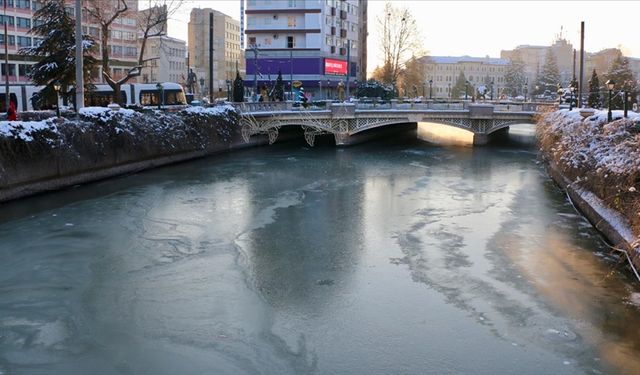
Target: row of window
177, 65
23, 69
22, 41
341, 24
290, 3
489, 69
342, 5
338, 42
124, 51
477, 79
22, 4
291, 41
22, 22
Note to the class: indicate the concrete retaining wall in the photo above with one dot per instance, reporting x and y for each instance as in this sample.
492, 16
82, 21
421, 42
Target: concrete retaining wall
31, 177
613, 225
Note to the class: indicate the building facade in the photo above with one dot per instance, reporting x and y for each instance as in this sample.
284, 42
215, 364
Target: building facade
227, 52
534, 58
441, 74
165, 60
123, 41
308, 41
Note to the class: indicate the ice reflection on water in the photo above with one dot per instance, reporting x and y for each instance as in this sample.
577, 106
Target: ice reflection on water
390, 257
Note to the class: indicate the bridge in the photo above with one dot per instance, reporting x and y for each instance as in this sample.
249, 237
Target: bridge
346, 120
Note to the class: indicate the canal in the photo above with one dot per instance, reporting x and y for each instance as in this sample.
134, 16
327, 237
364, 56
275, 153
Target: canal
391, 257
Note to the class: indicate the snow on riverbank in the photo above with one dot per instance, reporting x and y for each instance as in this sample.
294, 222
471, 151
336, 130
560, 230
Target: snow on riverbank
601, 160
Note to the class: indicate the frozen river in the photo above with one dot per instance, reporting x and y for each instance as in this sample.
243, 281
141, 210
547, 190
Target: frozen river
392, 257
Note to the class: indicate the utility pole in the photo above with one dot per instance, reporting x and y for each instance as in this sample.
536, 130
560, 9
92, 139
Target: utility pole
6, 58
581, 64
79, 58
211, 57
348, 65
254, 47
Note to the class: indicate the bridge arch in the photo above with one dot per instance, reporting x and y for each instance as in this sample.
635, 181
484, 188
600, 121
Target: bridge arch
499, 125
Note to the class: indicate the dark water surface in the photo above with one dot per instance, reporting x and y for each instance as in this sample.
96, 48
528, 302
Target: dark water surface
392, 257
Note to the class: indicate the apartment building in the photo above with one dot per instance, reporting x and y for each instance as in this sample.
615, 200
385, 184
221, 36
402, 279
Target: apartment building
309, 41
441, 73
19, 19
165, 60
227, 52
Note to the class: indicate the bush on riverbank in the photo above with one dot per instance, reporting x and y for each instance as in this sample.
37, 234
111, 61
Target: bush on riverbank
601, 157
101, 137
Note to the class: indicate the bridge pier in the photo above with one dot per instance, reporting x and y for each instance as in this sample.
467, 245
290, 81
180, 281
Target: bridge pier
480, 139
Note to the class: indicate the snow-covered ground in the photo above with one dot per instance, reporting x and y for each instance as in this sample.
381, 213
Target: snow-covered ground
591, 142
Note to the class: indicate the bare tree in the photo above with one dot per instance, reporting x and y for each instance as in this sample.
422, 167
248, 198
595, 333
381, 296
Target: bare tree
151, 22
400, 39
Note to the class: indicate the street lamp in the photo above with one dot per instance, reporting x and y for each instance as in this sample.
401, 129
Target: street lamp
625, 97
610, 85
430, 92
228, 90
572, 89
449, 88
320, 92
56, 88
466, 89
526, 88
160, 96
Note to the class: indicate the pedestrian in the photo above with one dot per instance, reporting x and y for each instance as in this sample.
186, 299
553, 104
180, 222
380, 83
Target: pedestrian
11, 112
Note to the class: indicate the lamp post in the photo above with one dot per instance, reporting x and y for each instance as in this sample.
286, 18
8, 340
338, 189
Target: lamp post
320, 92
466, 89
610, 86
449, 88
625, 97
228, 90
56, 88
430, 91
572, 88
526, 88
492, 83
559, 94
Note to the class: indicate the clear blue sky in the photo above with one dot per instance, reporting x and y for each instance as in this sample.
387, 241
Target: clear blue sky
480, 28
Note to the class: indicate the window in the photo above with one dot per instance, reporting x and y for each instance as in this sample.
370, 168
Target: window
292, 3
24, 4
252, 40
24, 70
12, 69
291, 42
7, 19
12, 39
24, 41
291, 21
23, 22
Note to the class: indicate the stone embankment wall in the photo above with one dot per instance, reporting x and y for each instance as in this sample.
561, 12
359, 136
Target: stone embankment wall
37, 156
596, 163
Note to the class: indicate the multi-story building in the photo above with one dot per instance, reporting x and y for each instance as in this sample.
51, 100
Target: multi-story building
165, 60
19, 20
534, 58
227, 51
441, 74
309, 41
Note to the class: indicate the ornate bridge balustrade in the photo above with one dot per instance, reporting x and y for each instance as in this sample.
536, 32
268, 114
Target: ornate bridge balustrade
344, 120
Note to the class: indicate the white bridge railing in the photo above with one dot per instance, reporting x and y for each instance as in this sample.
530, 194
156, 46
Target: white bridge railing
253, 107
